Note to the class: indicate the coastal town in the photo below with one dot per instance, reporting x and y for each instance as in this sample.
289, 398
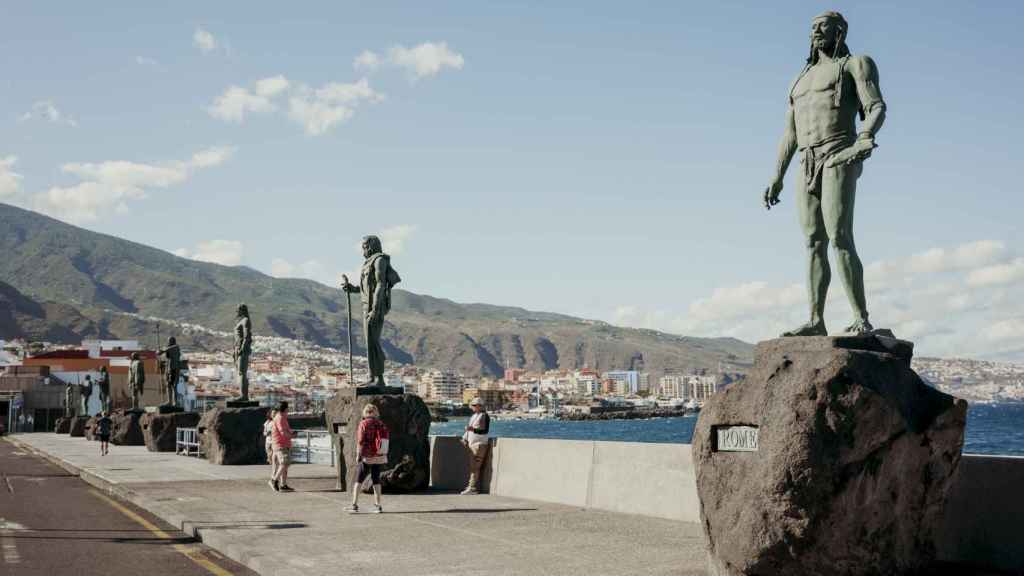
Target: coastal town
306, 376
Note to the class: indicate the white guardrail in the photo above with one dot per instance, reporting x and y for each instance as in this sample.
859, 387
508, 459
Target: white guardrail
187, 442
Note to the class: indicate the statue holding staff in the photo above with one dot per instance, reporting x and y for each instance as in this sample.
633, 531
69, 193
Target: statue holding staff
375, 283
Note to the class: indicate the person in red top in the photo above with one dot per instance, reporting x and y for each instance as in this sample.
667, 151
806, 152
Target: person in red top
372, 438
282, 440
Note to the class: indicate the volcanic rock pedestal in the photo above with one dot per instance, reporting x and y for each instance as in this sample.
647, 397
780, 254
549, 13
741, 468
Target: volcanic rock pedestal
125, 428
234, 435
78, 424
160, 431
63, 425
408, 421
831, 458
90, 428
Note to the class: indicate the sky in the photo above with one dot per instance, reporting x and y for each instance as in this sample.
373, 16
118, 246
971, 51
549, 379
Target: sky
599, 159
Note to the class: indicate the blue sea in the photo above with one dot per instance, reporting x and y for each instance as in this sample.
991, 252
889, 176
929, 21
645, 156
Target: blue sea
991, 429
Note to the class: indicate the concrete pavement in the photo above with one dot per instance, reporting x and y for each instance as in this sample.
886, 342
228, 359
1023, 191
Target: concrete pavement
51, 522
231, 509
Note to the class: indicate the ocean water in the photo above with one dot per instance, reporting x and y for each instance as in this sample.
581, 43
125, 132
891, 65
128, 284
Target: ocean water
991, 429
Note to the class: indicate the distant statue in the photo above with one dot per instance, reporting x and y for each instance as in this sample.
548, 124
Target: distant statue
136, 380
104, 385
172, 371
69, 400
828, 94
243, 349
86, 390
377, 279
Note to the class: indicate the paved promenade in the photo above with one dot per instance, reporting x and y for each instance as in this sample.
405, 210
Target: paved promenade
233, 511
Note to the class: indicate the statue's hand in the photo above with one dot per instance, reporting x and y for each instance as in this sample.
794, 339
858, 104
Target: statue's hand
771, 194
858, 152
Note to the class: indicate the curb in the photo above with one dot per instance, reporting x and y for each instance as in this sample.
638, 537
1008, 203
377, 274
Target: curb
190, 529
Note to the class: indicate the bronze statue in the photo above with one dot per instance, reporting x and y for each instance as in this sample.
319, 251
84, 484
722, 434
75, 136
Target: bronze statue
104, 384
172, 371
828, 94
243, 349
136, 380
69, 400
86, 390
377, 279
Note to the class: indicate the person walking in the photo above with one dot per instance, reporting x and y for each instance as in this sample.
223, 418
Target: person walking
282, 439
372, 439
103, 432
477, 440
268, 444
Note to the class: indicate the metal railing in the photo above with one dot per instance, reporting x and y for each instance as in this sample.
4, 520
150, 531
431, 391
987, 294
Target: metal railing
187, 442
313, 447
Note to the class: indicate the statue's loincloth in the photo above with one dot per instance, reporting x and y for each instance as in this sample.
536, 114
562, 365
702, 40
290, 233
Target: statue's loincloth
814, 158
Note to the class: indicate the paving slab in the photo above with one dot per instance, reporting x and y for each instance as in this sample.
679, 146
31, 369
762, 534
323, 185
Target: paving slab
232, 510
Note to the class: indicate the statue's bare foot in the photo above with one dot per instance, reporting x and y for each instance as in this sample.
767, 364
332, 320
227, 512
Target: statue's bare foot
859, 327
809, 329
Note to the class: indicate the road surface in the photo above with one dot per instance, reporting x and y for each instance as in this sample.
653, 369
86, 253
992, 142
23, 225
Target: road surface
52, 522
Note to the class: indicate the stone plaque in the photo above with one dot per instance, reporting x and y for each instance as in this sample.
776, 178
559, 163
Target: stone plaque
736, 438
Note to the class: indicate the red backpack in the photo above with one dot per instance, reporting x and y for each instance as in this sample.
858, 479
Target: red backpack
375, 438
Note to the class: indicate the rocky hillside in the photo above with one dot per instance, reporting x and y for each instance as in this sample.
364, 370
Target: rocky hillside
66, 283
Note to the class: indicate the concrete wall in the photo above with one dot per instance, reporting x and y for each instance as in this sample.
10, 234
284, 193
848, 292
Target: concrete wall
635, 478
981, 524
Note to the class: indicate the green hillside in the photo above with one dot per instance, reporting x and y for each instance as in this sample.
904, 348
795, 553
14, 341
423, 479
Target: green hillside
77, 275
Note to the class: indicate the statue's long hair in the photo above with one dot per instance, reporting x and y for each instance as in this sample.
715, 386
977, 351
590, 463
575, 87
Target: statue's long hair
373, 243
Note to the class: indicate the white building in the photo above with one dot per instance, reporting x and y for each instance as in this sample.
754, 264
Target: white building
445, 386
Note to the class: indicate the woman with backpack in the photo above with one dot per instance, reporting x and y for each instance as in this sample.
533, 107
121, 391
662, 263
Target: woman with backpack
372, 438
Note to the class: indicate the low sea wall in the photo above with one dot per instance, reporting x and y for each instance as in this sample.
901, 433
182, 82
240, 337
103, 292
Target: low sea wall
981, 524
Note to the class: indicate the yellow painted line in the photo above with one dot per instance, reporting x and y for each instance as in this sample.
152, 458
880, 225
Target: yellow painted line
190, 552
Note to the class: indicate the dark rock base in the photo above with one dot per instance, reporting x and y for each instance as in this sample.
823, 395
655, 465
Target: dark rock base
159, 431
408, 420
234, 435
125, 429
63, 425
78, 424
854, 459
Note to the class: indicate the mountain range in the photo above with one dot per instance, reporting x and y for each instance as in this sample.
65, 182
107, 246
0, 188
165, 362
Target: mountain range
62, 283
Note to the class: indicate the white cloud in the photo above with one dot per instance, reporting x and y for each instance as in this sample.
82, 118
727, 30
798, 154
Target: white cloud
1006, 273
366, 60
955, 301
272, 86
1010, 330
317, 111
427, 59
965, 256
236, 102
113, 184
393, 239
145, 61
226, 252
281, 268
10, 181
203, 40
46, 110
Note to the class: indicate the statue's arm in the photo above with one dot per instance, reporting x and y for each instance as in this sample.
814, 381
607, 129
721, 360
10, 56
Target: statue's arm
865, 76
787, 146
381, 274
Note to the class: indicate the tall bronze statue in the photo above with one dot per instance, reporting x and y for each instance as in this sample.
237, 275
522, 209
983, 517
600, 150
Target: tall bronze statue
376, 280
136, 380
172, 371
831, 90
243, 349
86, 390
69, 400
104, 385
